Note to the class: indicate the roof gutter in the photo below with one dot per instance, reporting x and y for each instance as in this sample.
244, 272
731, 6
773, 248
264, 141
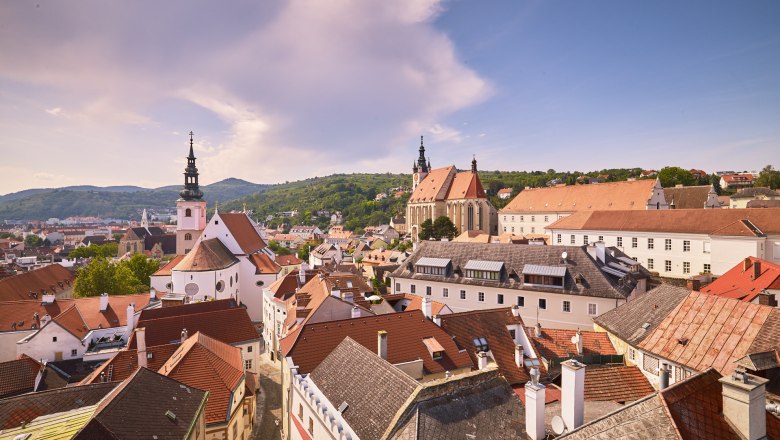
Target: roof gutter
201, 410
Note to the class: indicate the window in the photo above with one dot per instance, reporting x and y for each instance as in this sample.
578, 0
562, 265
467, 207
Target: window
706, 245
311, 426
500, 298
546, 219
668, 265
567, 306
414, 288
74, 353
707, 268
650, 264
668, 244
631, 353
584, 239
432, 270
601, 238
650, 364
533, 218
513, 229
533, 230
188, 212
686, 245
634, 242
188, 236
512, 333
481, 344
686, 267
249, 349
521, 229
593, 309
54, 339
520, 301
445, 292
559, 238
462, 294
572, 239
397, 287
650, 243
521, 218
620, 242
481, 296
248, 364
504, 228
542, 304
428, 290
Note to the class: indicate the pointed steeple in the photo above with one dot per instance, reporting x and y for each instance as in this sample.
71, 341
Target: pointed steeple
474, 164
191, 189
423, 167
145, 220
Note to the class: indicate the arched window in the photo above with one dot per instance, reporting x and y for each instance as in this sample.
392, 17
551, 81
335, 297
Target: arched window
188, 212
470, 218
188, 236
231, 281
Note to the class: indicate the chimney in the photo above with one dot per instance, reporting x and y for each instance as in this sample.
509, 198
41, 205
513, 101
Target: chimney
515, 311
437, 319
427, 307
534, 407
693, 284
381, 342
152, 294
577, 340
601, 252
355, 312
140, 341
744, 400
482, 360
130, 319
48, 299
519, 356
538, 330
302, 276
767, 299
746, 264
572, 393
663, 381
103, 302
756, 269
184, 335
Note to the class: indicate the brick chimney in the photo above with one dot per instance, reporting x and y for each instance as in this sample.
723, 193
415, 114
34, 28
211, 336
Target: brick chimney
744, 400
746, 264
572, 393
767, 299
756, 269
381, 342
693, 284
140, 341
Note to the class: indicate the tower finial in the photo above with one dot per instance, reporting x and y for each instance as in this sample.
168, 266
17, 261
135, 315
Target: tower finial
191, 189
474, 163
192, 142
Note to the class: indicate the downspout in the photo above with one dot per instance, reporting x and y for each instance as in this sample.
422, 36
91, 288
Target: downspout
201, 408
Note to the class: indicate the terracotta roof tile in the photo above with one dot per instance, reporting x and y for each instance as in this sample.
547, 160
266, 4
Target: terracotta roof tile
188, 309
242, 229
207, 255
22, 313
166, 270
556, 343
230, 326
739, 282
616, 383
115, 314
125, 362
466, 185
288, 260
18, 376
687, 197
72, 321
602, 196
434, 186
264, 264
415, 302
49, 279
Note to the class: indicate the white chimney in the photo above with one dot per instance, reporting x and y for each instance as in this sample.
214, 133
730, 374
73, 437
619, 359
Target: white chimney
482, 360
48, 298
601, 252
427, 307
184, 335
437, 319
663, 376
577, 341
744, 400
519, 356
103, 302
534, 407
130, 319
355, 312
381, 343
572, 393
140, 341
302, 276
152, 294
538, 330
515, 311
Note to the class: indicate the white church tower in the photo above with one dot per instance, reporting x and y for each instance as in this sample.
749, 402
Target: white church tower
190, 208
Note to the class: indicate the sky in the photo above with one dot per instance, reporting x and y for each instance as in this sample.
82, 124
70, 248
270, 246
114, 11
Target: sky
105, 93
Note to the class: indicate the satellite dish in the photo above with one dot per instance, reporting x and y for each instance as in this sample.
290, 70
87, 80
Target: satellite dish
564, 255
575, 339
558, 426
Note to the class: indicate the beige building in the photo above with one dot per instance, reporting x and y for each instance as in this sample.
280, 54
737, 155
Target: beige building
446, 192
746, 195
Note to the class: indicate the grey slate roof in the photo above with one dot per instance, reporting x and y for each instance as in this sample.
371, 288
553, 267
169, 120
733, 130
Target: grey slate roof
627, 320
644, 419
746, 193
516, 257
373, 388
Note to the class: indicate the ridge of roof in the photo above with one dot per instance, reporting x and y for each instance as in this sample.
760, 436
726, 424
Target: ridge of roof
207, 255
601, 196
243, 230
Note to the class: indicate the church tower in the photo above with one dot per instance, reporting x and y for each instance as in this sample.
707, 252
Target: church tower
420, 168
190, 208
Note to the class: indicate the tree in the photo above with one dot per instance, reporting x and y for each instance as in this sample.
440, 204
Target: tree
303, 253
768, 177
443, 227
103, 276
715, 181
426, 230
278, 248
106, 250
33, 241
142, 268
671, 176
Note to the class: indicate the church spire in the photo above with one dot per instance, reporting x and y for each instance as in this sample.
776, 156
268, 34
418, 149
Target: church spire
421, 160
145, 220
474, 164
191, 189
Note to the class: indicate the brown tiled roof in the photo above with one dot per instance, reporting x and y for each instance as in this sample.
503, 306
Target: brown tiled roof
288, 260
556, 343
740, 283
210, 365
188, 309
207, 255
466, 185
491, 325
22, 313
49, 279
687, 197
616, 383
763, 204
572, 198
166, 270
738, 178
749, 193
72, 321
706, 331
230, 326
434, 186
242, 229
135, 409
627, 320
415, 302
23, 409
310, 344
694, 221
125, 362
115, 314
18, 376
374, 398
264, 264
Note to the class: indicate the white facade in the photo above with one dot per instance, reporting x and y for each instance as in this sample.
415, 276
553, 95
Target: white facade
190, 221
207, 285
528, 223
314, 413
51, 343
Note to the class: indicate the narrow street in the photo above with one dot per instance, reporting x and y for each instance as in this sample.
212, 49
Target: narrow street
269, 402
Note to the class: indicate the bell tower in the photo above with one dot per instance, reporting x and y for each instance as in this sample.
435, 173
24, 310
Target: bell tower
190, 208
420, 168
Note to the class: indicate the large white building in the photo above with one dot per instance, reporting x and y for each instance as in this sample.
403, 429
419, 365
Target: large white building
559, 287
678, 243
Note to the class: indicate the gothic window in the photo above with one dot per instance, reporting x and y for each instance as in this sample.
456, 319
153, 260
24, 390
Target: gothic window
188, 236
188, 212
470, 225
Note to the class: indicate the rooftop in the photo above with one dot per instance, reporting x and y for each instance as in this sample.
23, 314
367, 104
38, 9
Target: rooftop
244, 232
741, 282
230, 326
207, 255
568, 198
51, 279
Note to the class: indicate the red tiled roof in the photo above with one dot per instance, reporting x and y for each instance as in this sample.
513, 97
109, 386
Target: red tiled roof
22, 313
207, 255
115, 314
49, 279
18, 376
310, 344
264, 264
240, 226
739, 281
166, 270
415, 302
618, 383
556, 343
288, 260
188, 309
706, 331
72, 321
125, 362
434, 186
552, 393
210, 365
729, 178
567, 198
230, 326
466, 185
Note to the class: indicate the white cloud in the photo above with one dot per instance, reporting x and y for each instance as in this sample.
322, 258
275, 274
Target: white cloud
54, 111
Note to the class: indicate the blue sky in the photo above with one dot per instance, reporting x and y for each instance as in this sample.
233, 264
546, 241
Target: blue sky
104, 93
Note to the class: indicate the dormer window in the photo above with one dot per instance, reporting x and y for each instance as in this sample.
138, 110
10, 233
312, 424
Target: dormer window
481, 344
434, 348
484, 270
433, 266
546, 276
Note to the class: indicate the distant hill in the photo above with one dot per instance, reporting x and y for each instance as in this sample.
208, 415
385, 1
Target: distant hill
110, 202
